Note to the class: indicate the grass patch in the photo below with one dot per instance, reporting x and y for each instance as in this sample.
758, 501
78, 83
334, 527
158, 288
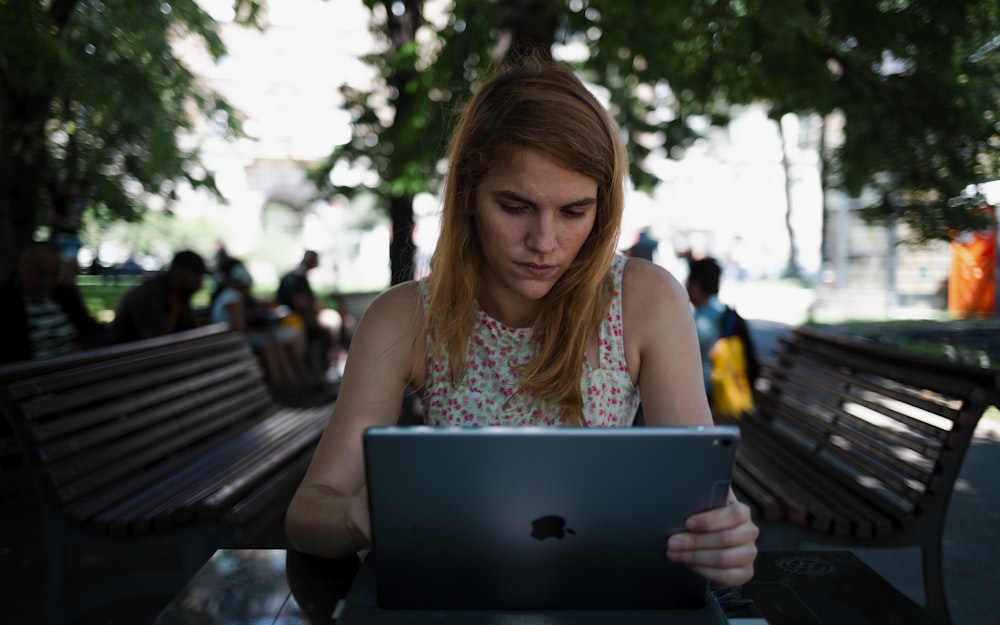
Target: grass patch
974, 342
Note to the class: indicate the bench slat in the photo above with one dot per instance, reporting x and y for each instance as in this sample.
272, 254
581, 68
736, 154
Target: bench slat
817, 438
177, 435
168, 381
908, 368
309, 427
155, 510
843, 384
116, 428
270, 443
27, 379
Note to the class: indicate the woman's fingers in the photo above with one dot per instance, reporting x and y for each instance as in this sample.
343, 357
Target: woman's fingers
719, 544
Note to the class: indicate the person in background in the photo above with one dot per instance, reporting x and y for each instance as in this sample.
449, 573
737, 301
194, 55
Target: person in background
40, 316
280, 348
714, 320
162, 304
321, 325
66, 221
645, 246
703, 291
528, 316
220, 260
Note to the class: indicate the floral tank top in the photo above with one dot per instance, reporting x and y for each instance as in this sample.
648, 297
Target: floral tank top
487, 393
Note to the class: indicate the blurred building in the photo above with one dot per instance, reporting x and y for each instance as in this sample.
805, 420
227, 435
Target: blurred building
284, 82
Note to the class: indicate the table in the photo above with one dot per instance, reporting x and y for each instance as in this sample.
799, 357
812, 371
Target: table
789, 588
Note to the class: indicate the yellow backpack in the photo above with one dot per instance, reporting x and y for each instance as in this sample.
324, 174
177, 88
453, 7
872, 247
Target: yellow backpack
734, 367
731, 392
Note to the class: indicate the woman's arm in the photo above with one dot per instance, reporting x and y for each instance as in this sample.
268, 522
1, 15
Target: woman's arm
328, 515
661, 344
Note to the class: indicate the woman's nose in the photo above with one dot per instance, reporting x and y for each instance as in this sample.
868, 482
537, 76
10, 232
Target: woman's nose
542, 234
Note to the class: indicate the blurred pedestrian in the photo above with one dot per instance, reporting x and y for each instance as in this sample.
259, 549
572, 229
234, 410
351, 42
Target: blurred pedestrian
645, 246
162, 304
714, 320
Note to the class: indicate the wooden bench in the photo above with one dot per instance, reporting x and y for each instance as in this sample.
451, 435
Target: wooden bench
172, 443
861, 444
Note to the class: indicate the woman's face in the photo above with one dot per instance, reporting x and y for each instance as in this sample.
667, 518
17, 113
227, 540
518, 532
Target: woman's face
532, 217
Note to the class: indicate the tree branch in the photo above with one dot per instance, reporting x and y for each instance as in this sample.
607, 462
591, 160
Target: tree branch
60, 12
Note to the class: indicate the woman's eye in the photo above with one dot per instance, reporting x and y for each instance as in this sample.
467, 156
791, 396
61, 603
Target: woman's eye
514, 208
574, 214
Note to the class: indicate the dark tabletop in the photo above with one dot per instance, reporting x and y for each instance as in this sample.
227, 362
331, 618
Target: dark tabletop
789, 588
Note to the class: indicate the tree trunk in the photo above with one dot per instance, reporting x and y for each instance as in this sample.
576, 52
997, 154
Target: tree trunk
22, 176
24, 158
526, 26
792, 269
826, 244
401, 246
402, 31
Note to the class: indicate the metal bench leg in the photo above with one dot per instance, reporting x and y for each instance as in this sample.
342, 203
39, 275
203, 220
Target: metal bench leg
937, 600
53, 611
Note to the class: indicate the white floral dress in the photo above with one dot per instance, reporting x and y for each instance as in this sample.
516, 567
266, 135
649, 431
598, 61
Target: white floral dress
487, 395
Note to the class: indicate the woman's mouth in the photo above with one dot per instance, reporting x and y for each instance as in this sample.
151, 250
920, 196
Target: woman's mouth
536, 270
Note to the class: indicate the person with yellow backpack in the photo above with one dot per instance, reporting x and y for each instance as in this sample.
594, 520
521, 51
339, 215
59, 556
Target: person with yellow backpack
728, 358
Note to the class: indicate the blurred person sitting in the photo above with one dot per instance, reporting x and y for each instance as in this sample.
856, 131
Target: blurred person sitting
322, 326
162, 304
280, 348
40, 316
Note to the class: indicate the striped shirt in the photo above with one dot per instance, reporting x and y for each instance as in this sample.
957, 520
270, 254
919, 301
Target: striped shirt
50, 332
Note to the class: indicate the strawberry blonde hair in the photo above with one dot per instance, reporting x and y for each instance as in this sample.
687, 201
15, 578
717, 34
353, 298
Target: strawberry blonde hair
539, 105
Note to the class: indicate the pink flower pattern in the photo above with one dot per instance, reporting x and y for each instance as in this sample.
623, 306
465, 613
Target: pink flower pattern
488, 394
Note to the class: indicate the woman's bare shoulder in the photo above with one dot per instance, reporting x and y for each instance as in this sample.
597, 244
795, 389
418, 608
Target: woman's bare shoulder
644, 282
389, 338
396, 311
402, 293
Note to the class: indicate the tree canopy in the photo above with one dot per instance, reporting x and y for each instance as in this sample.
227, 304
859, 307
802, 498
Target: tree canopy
917, 83
92, 93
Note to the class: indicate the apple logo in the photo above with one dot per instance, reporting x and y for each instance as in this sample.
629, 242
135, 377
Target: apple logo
550, 526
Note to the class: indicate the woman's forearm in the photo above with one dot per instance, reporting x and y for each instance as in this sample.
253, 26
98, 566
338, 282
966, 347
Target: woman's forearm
317, 523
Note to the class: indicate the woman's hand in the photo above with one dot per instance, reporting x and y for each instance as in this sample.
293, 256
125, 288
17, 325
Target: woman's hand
718, 544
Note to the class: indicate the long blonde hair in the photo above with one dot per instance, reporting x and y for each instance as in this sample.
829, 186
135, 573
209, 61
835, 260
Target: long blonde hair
541, 105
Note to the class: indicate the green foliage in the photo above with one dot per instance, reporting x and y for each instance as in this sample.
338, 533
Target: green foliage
402, 152
93, 91
917, 82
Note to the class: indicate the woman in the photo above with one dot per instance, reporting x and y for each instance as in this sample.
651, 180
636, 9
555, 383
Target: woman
556, 328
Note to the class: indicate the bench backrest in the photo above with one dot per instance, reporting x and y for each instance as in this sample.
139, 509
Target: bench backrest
30, 369
885, 420
87, 421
